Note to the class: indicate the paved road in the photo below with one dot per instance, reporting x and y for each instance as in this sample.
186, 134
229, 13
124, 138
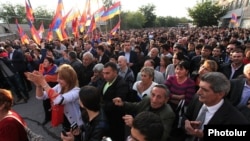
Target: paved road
33, 114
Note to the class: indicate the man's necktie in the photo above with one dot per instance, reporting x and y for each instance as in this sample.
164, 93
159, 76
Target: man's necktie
201, 117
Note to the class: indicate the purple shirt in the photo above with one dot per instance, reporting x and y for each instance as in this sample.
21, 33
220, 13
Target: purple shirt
187, 88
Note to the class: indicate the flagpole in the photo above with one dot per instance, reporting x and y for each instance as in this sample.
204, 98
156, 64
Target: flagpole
100, 29
120, 19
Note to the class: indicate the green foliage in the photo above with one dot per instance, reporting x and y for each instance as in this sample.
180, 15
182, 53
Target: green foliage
134, 20
10, 12
43, 15
148, 12
170, 21
144, 17
107, 3
206, 14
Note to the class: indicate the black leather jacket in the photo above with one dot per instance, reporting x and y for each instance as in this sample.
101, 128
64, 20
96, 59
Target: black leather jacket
96, 129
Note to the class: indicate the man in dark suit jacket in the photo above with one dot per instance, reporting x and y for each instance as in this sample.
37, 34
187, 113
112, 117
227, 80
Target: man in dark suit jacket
76, 64
18, 63
102, 56
115, 86
239, 92
214, 86
131, 56
236, 65
196, 61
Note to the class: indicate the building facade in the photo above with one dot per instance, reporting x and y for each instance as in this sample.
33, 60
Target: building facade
240, 9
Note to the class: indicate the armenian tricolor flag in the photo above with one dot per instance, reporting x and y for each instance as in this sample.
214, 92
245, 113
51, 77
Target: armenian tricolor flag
115, 9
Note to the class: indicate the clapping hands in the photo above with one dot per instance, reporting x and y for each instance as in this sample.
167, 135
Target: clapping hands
36, 77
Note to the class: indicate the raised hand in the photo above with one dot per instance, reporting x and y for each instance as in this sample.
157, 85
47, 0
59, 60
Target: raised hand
118, 101
128, 119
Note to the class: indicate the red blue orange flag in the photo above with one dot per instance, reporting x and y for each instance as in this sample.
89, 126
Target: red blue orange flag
41, 30
75, 23
116, 28
63, 25
59, 34
98, 14
23, 36
34, 33
57, 19
84, 16
50, 34
92, 25
234, 18
112, 11
29, 12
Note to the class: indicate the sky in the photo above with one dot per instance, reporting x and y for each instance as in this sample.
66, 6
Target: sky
174, 8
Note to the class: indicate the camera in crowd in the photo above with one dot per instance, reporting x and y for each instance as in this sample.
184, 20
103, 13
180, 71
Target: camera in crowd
49, 46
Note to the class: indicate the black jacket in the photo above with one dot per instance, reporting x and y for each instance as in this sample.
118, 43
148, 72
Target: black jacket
227, 114
97, 128
119, 88
227, 71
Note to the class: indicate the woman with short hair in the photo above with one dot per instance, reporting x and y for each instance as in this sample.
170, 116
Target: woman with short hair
11, 123
144, 86
48, 69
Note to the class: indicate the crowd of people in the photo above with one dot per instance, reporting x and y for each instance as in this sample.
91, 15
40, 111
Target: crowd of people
104, 84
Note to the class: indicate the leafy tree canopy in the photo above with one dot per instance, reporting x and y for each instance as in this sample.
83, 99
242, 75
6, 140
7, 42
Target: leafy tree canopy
206, 14
148, 12
10, 12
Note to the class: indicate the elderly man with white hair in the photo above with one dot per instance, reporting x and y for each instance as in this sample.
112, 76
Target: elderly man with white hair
154, 55
125, 72
97, 79
239, 92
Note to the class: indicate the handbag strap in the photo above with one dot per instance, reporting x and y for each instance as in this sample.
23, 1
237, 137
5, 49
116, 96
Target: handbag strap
180, 107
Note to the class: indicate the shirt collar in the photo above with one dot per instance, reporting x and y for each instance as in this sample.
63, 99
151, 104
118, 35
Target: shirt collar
214, 108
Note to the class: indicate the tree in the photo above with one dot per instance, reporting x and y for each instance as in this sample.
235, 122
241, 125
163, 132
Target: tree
206, 14
107, 3
161, 21
10, 12
172, 21
43, 15
148, 12
134, 20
